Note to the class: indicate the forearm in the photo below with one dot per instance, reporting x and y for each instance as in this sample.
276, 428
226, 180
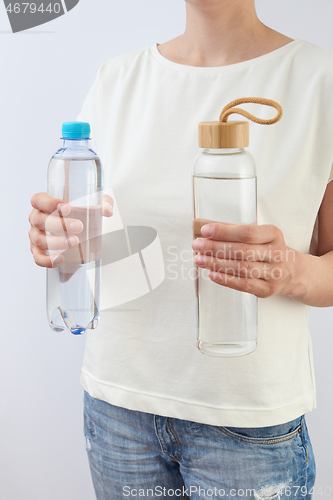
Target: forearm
313, 279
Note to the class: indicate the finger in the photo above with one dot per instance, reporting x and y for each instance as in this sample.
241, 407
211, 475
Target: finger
108, 204
247, 233
43, 260
49, 242
244, 269
45, 203
197, 225
257, 287
55, 223
235, 250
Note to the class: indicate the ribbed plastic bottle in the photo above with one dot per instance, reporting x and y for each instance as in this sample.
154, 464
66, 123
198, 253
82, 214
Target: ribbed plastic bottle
225, 190
75, 175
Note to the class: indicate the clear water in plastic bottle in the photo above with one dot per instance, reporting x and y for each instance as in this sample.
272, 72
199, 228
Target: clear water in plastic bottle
75, 176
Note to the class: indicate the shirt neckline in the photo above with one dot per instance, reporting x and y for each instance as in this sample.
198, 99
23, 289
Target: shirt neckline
183, 68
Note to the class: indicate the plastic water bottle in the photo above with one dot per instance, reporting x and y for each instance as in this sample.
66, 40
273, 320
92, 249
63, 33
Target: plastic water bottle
225, 190
73, 289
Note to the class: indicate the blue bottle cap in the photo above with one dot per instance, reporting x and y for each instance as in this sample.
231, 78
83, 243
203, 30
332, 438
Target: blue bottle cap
75, 130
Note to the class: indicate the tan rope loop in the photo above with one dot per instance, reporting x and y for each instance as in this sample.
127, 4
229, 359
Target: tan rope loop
229, 109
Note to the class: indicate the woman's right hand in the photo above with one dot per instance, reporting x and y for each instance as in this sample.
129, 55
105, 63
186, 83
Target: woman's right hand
45, 217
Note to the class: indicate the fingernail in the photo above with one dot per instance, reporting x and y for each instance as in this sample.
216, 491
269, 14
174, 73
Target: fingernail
57, 260
63, 208
200, 259
207, 230
72, 241
76, 226
197, 245
109, 206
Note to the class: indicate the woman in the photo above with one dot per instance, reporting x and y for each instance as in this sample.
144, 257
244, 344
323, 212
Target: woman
161, 420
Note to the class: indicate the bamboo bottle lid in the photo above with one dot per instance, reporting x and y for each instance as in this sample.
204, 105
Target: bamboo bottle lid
234, 134
219, 134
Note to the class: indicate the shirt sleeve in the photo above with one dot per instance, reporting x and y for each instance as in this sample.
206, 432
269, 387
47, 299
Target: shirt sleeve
331, 176
314, 239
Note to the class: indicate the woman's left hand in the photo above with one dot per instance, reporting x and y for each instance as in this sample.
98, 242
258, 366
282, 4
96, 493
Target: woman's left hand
247, 257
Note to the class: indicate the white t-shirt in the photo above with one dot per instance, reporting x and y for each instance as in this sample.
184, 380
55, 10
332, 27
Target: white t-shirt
144, 112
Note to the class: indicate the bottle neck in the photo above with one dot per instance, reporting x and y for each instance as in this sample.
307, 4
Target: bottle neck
76, 143
223, 151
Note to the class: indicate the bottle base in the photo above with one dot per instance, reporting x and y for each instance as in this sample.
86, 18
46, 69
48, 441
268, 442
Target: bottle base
57, 328
93, 324
62, 319
77, 330
227, 349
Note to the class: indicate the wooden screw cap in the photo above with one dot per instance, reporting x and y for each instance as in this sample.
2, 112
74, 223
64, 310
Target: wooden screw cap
234, 134
219, 134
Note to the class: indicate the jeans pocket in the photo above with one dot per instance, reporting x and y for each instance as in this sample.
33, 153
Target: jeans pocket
265, 435
309, 454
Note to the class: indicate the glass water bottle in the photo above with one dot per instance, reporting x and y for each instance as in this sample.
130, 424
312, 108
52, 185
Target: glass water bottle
224, 190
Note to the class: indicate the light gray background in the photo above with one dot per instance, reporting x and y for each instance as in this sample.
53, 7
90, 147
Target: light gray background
45, 75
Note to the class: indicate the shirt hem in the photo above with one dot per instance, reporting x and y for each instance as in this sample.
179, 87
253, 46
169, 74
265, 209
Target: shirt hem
233, 417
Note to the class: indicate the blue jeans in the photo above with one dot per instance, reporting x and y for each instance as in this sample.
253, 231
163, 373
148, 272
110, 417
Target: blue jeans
134, 454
